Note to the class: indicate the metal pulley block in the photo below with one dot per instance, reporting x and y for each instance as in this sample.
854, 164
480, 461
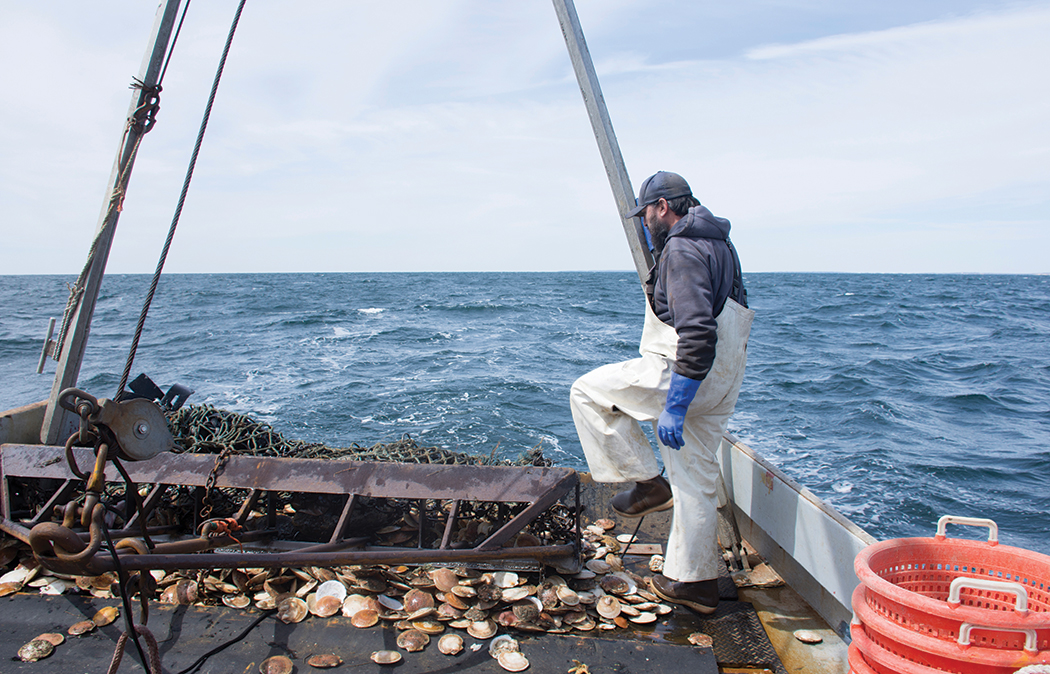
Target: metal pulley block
138, 427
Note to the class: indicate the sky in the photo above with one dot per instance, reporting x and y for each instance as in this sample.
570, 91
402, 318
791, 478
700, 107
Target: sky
836, 135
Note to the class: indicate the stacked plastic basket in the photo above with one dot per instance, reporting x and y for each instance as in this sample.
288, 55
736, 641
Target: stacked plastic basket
934, 605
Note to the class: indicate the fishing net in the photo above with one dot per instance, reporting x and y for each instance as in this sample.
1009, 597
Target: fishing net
204, 429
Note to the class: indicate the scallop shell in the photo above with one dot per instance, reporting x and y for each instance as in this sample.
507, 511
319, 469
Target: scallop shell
450, 644
507, 619
37, 649
448, 612
292, 610
490, 592
56, 586
527, 609
20, 574
700, 639
386, 657
475, 613
514, 594
608, 607
615, 584
332, 588
808, 636
656, 563
482, 629
54, 638
505, 579
513, 662
327, 606
236, 601
662, 609
464, 591
324, 660
628, 610
644, 618
504, 643
585, 574
548, 596
431, 627
589, 597
606, 524
358, 602
412, 640
598, 566
184, 592
276, 664
82, 627
568, 596
444, 579
365, 618
585, 625
105, 616
389, 602
9, 588
418, 599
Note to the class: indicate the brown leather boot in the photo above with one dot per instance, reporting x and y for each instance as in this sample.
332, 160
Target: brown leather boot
701, 596
647, 496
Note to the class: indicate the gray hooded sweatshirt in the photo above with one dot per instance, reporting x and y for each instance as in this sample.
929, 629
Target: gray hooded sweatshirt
693, 277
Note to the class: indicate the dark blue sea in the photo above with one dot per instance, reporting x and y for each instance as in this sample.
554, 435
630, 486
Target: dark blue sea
896, 398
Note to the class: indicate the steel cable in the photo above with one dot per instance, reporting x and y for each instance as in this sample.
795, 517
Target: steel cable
182, 201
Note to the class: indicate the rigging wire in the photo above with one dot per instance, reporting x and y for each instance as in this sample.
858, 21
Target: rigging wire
182, 201
171, 51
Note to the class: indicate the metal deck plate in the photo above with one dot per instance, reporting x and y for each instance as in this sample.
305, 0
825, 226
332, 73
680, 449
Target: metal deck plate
185, 633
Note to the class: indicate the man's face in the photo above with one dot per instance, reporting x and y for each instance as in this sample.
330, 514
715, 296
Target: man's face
657, 226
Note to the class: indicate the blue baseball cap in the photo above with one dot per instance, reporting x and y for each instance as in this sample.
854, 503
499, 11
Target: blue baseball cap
660, 185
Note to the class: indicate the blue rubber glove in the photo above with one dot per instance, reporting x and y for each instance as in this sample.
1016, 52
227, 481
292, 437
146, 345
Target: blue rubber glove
679, 395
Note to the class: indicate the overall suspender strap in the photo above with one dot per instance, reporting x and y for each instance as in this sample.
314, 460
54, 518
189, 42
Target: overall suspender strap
739, 292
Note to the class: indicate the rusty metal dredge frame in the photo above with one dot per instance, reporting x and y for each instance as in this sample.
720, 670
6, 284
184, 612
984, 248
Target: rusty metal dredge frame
134, 429
79, 550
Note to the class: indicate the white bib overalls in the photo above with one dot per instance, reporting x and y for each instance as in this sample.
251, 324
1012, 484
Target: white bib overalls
608, 403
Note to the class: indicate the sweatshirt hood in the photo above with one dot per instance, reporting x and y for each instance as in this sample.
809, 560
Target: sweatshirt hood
700, 223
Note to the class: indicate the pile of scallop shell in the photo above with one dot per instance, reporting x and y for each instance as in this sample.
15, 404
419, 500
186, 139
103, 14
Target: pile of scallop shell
422, 604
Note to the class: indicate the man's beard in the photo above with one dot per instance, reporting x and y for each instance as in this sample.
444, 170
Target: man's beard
658, 234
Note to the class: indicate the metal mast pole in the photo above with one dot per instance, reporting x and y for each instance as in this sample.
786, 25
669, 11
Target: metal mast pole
58, 423
603, 133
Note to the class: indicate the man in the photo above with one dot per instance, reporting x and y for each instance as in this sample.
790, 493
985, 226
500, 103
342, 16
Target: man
693, 352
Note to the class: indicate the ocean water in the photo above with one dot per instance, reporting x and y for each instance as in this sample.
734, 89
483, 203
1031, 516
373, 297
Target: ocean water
896, 398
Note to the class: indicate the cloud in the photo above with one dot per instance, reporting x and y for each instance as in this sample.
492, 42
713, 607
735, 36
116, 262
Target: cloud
443, 136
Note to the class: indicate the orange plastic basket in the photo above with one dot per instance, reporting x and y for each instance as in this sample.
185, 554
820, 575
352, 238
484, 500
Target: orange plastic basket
942, 587
920, 649
857, 664
868, 657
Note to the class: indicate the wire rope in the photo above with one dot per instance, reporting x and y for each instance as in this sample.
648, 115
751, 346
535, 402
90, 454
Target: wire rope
182, 200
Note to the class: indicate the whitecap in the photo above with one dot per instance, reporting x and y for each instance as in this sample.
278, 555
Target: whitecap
842, 487
372, 310
340, 332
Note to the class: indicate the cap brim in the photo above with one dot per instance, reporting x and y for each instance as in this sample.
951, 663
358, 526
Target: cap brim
637, 211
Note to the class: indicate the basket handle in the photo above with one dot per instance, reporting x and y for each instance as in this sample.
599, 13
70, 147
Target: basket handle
991, 586
1029, 635
993, 528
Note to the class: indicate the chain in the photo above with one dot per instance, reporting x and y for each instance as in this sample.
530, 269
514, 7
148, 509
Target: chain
220, 461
